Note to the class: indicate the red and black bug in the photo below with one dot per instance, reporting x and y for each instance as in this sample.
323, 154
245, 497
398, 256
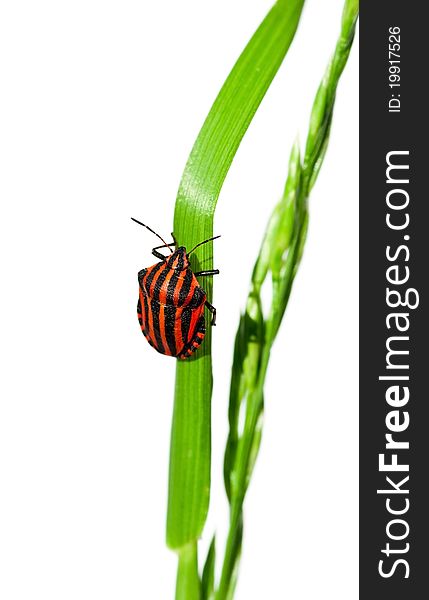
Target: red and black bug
171, 301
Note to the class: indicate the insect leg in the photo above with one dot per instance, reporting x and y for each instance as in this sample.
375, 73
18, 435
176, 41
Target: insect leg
213, 311
210, 272
139, 312
158, 254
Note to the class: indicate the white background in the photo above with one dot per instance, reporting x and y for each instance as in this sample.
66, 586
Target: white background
100, 105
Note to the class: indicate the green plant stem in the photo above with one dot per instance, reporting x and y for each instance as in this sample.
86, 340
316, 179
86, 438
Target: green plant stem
188, 582
233, 545
280, 255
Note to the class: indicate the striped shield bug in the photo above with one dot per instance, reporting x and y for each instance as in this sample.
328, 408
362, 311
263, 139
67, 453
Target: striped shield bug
171, 302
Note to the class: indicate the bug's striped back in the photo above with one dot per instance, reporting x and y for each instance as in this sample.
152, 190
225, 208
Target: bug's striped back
170, 308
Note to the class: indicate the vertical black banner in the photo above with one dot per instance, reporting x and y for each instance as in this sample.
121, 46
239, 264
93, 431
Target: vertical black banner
394, 236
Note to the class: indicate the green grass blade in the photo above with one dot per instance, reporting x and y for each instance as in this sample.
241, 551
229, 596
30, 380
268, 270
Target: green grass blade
232, 112
208, 577
204, 174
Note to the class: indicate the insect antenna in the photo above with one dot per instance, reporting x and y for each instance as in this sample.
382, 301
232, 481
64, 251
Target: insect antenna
205, 242
154, 232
